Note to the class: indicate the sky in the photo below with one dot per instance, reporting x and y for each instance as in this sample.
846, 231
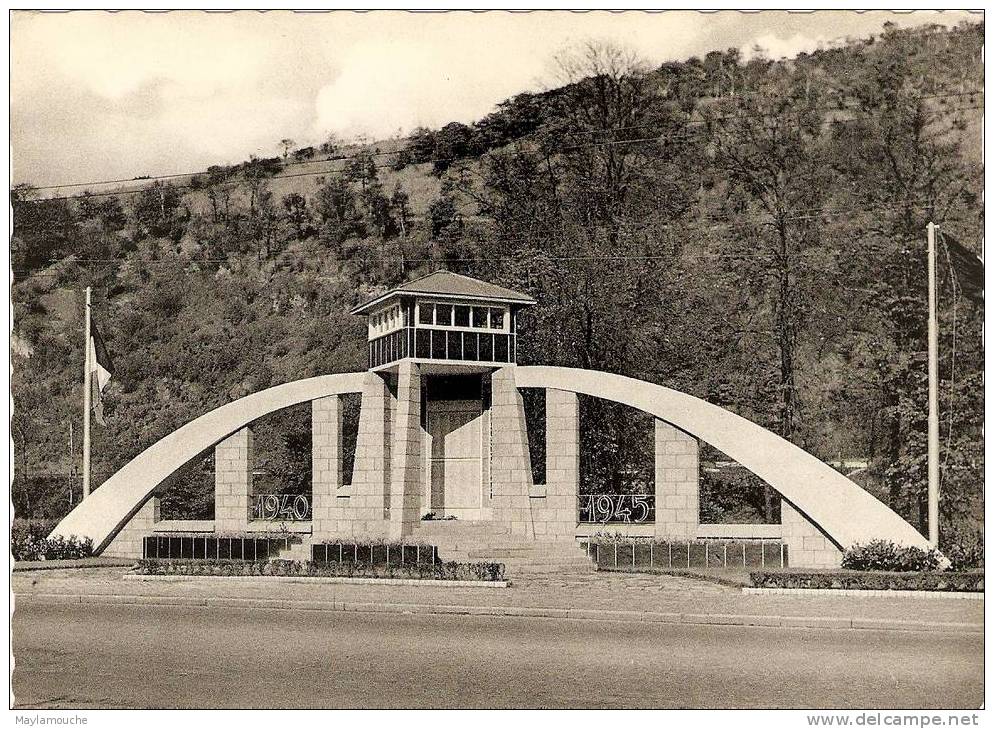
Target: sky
99, 95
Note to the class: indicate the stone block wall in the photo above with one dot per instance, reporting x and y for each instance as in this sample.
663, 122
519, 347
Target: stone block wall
555, 514
233, 481
326, 464
677, 483
406, 468
807, 546
127, 544
359, 509
510, 462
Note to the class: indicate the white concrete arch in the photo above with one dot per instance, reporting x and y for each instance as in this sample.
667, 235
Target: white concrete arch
108, 508
842, 509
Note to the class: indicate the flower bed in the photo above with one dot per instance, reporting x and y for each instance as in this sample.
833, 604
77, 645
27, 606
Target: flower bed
468, 571
859, 580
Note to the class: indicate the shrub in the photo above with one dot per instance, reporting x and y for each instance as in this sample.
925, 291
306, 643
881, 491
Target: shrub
872, 580
965, 550
887, 556
29, 542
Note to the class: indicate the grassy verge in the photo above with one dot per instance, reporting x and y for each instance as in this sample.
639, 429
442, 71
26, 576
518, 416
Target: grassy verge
727, 577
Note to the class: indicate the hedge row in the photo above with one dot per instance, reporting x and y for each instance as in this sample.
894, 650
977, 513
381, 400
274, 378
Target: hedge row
474, 571
857, 580
29, 546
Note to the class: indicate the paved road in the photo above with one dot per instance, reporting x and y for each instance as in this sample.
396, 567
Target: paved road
143, 656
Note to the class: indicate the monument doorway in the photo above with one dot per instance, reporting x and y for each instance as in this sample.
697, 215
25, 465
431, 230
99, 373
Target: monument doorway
454, 453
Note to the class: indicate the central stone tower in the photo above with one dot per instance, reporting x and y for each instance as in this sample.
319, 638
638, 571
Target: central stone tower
437, 341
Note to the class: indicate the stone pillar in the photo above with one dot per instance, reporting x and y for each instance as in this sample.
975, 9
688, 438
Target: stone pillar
127, 543
233, 481
511, 471
677, 483
807, 546
371, 470
406, 472
326, 464
562, 465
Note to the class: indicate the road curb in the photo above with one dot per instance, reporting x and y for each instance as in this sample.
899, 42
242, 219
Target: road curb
624, 616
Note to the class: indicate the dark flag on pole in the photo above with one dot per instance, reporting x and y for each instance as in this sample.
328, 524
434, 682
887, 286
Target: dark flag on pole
101, 370
967, 267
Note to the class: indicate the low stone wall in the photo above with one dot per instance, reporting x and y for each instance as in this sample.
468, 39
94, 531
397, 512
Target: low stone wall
127, 544
809, 547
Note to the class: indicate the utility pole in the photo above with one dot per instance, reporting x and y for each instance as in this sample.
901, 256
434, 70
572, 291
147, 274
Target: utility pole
933, 397
86, 399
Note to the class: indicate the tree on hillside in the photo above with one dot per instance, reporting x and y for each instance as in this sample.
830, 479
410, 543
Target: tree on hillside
337, 207
156, 210
44, 230
329, 146
361, 168
379, 212
295, 206
775, 158
421, 146
580, 220
774, 154
452, 142
219, 195
906, 167
512, 120
286, 145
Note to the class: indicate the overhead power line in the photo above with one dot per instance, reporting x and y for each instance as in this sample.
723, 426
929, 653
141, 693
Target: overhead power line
677, 139
552, 127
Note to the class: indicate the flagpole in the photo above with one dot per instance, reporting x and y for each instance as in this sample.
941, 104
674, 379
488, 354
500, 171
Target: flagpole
86, 399
933, 397
72, 462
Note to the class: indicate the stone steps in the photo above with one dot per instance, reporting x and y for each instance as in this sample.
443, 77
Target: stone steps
447, 528
508, 548
546, 569
472, 541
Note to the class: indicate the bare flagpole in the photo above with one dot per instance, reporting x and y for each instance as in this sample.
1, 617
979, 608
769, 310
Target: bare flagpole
72, 463
933, 397
86, 399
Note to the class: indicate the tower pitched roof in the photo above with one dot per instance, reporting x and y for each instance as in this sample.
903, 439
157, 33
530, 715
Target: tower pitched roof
448, 284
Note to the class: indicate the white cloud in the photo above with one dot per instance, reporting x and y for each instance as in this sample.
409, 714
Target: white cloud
774, 47
406, 84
